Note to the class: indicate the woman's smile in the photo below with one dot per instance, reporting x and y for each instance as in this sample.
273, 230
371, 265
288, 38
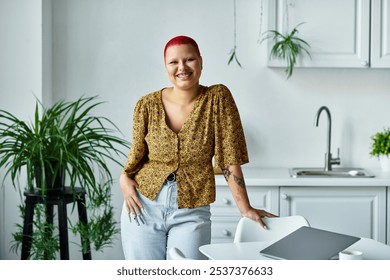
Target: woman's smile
184, 75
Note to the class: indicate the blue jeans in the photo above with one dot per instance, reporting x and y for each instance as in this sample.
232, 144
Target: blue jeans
165, 226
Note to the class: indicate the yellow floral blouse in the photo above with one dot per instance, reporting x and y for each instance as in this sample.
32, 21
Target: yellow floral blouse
212, 129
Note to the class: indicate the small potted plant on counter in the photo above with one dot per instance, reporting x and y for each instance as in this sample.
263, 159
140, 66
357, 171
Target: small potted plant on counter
380, 148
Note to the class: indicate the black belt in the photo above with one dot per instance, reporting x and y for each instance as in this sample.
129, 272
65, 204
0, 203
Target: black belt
171, 177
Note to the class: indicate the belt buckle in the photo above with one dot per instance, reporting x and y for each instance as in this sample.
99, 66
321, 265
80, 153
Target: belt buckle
171, 177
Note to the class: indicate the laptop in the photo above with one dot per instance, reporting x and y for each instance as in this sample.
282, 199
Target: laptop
308, 243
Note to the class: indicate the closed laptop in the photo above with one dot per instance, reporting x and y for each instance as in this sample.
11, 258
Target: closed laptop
308, 243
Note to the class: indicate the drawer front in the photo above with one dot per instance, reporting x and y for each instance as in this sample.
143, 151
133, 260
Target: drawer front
224, 198
259, 197
223, 231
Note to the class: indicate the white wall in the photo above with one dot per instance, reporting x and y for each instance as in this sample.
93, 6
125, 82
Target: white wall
20, 80
114, 49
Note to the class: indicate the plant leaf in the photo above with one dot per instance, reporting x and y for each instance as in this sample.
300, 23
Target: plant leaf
233, 56
287, 47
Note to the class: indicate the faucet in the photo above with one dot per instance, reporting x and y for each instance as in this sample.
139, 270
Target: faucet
328, 156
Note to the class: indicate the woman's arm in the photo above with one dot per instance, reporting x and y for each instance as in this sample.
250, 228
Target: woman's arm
135, 159
235, 179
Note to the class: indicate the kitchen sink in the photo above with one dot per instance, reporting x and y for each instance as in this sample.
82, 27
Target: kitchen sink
342, 172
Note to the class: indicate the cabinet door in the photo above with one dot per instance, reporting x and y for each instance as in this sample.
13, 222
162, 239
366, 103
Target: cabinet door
380, 34
388, 218
337, 31
351, 210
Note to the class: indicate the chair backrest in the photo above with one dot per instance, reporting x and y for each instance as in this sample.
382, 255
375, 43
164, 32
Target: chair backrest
175, 254
248, 230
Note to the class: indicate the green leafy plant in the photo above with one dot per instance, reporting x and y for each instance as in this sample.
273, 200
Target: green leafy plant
64, 143
381, 143
233, 56
287, 47
101, 226
45, 241
233, 52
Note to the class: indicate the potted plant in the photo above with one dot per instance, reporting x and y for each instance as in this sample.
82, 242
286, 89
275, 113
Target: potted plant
287, 47
64, 144
380, 148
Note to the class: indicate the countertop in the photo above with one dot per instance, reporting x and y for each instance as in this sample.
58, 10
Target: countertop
281, 177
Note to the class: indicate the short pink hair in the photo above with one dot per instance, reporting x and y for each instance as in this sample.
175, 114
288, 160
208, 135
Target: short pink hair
181, 40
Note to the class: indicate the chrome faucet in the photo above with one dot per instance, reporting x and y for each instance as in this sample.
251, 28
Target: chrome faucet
329, 161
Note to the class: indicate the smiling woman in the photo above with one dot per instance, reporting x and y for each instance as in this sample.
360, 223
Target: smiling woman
184, 67
168, 180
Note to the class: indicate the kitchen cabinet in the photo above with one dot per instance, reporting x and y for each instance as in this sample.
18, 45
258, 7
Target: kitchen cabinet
225, 213
388, 218
358, 211
355, 206
380, 34
349, 33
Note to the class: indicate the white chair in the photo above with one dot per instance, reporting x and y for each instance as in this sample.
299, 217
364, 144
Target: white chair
175, 254
248, 230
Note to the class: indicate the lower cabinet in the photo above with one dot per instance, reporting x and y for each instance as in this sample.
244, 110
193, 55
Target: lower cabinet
358, 211
388, 217
225, 213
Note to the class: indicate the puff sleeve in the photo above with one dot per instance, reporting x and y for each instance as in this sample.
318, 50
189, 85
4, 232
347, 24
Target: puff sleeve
230, 144
139, 149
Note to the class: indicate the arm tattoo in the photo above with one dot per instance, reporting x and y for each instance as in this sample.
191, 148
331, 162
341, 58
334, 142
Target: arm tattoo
239, 181
226, 173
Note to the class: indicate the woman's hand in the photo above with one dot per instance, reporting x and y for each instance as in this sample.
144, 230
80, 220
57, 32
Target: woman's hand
235, 179
129, 191
258, 215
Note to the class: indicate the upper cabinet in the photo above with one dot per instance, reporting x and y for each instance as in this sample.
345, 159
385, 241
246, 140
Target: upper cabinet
380, 33
348, 33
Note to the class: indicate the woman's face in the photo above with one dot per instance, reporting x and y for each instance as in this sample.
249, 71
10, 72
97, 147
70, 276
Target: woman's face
183, 65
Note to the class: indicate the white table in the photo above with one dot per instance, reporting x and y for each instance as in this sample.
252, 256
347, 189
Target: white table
372, 250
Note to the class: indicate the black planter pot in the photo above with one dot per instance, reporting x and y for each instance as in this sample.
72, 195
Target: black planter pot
55, 181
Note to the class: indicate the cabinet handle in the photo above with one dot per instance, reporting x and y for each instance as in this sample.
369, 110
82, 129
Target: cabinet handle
226, 201
226, 232
365, 63
284, 196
